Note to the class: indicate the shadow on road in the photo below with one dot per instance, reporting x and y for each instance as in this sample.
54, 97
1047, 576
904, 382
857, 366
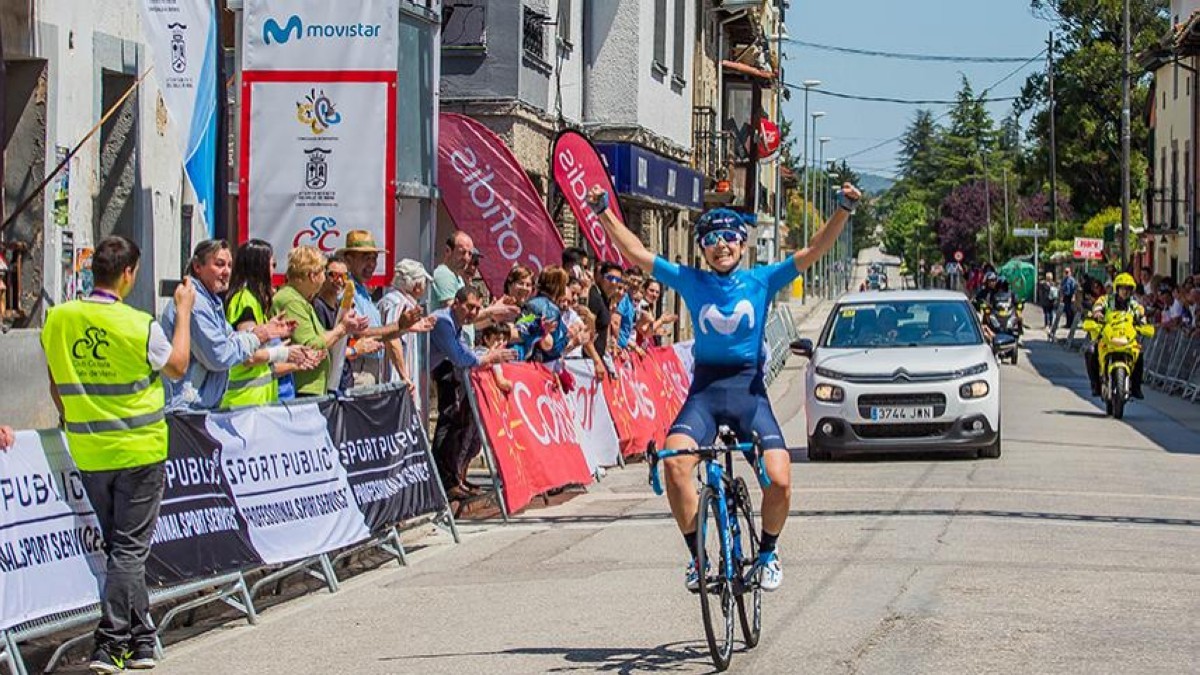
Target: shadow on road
670, 657
1065, 370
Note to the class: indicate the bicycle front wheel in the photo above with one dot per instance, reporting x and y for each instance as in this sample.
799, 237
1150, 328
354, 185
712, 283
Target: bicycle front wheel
716, 589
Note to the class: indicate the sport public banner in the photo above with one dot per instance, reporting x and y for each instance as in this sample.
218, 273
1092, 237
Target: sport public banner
318, 119
593, 423
287, 481
182, 35
382, 445
531, 432
51, 548
199, 531
490, 197
578, 167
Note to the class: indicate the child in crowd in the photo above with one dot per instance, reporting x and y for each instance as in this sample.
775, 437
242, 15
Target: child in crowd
498, 336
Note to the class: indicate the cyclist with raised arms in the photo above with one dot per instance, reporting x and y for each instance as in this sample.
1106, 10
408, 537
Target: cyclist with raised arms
728, 306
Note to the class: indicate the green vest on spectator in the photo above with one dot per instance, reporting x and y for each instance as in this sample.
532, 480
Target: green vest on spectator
249, 385
112, 399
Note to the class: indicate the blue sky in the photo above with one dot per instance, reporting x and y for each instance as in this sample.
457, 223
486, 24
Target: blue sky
952, 27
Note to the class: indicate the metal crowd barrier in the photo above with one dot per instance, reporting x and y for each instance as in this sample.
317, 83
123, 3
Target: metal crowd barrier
1173, 364
779, 333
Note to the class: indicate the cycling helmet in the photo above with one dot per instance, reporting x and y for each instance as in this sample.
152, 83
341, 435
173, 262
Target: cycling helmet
990, 276
1124, 279
721, 219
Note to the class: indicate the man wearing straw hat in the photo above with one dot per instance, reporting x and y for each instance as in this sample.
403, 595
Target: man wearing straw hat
362, 257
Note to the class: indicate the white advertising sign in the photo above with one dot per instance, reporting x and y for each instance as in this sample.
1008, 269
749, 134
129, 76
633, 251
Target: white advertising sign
288, 483
1089, 249
47, 531
319, 35
593, 423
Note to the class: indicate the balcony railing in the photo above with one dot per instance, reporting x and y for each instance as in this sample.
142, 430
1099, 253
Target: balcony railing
1169, 210
712, 149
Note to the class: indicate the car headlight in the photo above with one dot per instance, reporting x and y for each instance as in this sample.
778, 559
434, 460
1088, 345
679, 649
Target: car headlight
829, 393
976, 389
831, 374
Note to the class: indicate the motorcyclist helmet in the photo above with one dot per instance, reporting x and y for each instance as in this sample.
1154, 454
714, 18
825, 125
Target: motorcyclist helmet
721, 220
1124, 280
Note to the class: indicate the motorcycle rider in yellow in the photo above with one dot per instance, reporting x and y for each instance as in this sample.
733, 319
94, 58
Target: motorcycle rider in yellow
105, 359
1121, 300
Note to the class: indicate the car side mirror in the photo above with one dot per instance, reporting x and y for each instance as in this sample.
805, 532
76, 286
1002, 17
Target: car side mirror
802, 347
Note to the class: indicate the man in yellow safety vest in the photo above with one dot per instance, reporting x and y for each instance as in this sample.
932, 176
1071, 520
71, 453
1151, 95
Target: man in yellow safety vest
105, 358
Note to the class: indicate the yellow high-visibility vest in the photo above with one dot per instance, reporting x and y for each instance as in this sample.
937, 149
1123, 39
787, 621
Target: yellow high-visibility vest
249, 385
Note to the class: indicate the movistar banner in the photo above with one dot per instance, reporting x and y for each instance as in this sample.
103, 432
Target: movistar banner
182, 36
319, 35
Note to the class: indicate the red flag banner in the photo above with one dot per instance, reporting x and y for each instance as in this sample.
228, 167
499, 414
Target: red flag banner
489, 196
531, 431
635, 400
577, 167
675, 379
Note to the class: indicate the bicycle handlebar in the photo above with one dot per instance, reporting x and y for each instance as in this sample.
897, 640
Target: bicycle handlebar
749, 450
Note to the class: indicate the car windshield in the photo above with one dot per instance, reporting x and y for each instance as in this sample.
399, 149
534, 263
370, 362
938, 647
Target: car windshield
902, 323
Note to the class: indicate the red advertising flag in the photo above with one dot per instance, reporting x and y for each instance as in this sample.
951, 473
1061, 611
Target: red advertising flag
489, 196
769, 139
577, 167
531, 431
635, 400
675, 379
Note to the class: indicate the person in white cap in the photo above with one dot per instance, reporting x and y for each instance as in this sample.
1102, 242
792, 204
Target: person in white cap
409, 284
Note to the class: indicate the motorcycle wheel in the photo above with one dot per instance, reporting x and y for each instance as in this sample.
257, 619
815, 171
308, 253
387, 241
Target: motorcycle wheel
1014, 356
1119, 392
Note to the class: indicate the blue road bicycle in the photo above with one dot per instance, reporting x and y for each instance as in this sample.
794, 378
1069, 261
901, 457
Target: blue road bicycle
727, 542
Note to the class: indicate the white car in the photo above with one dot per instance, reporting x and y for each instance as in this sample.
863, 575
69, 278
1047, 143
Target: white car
901, 371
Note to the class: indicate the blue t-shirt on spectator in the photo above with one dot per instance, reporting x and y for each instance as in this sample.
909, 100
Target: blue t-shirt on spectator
628, 318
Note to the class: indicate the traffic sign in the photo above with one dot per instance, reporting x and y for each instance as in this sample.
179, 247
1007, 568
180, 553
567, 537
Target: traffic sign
958, 256
1030, 232
1089, 249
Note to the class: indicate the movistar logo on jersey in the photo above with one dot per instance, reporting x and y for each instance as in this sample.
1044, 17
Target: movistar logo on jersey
295, 29
714, 320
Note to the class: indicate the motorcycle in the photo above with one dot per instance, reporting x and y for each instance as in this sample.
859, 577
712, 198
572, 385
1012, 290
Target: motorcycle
1002, 317
1117, 341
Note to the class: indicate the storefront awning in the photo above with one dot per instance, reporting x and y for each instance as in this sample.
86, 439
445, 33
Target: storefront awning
638, 172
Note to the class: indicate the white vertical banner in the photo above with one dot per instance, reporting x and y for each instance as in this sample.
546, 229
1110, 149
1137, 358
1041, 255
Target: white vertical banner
51, 548
288, 483
684, 351
319, 89
182, 36
593, 422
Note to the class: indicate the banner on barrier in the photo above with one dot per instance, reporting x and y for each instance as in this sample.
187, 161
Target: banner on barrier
51, 548
385, 452
594, 425
679, 378
635, 399
531, 432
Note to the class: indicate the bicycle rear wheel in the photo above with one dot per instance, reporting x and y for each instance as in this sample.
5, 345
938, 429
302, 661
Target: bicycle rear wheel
749, 600
716, 591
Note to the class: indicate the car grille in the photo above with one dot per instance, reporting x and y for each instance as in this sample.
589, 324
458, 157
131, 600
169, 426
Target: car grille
914, 430
935, 399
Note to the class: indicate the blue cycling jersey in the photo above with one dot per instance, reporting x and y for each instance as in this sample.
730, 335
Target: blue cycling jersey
729, 311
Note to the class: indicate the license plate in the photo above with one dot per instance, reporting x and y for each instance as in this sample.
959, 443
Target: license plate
901, 413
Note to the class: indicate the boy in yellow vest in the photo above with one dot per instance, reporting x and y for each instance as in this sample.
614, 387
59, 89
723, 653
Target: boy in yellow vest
105, 361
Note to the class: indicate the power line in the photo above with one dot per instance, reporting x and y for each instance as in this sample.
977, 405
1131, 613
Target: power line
907, 57
902, 101
990, 87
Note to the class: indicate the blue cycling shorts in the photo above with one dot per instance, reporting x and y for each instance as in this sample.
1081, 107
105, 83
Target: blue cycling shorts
735, 396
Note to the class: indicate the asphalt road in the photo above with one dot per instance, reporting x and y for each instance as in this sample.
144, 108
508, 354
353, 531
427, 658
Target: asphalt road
1078, 551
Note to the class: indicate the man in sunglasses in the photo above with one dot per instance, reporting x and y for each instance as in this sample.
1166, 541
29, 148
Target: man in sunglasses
728, 306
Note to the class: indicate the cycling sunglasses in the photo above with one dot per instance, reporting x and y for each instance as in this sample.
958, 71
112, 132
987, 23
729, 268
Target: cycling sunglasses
713, 238
614, 279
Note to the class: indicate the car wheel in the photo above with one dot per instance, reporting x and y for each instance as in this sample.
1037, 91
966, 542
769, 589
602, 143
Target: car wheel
816, 453
990, 452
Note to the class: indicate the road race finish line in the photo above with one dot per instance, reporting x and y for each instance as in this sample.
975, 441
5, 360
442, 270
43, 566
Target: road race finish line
50, 543
531, 432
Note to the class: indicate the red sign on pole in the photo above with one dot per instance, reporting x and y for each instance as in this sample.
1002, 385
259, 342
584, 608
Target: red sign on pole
1089, 249
958, 256
578, 167
769, 139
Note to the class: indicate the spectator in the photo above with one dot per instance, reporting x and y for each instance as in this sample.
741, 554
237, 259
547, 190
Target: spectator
1067, 291
627, 308
1194, 308
1048, 297
245, 307
650, 323
362, 257
216, 346
1172, 315
1145, 277
596, 299
409, 284
456, 441
611, 289
327, 303
7, 436
499, 336
111, 401
518, 285
454, 273
305, 276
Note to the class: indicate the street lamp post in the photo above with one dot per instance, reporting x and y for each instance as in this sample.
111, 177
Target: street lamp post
823, 176
810, 169
780, 33
808, 84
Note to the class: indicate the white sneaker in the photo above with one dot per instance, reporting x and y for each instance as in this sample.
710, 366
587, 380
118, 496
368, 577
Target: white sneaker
691, 578
771, 572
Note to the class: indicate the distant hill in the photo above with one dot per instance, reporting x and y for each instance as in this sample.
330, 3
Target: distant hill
874, 184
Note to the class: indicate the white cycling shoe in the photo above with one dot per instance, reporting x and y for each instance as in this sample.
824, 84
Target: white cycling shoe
770, 574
